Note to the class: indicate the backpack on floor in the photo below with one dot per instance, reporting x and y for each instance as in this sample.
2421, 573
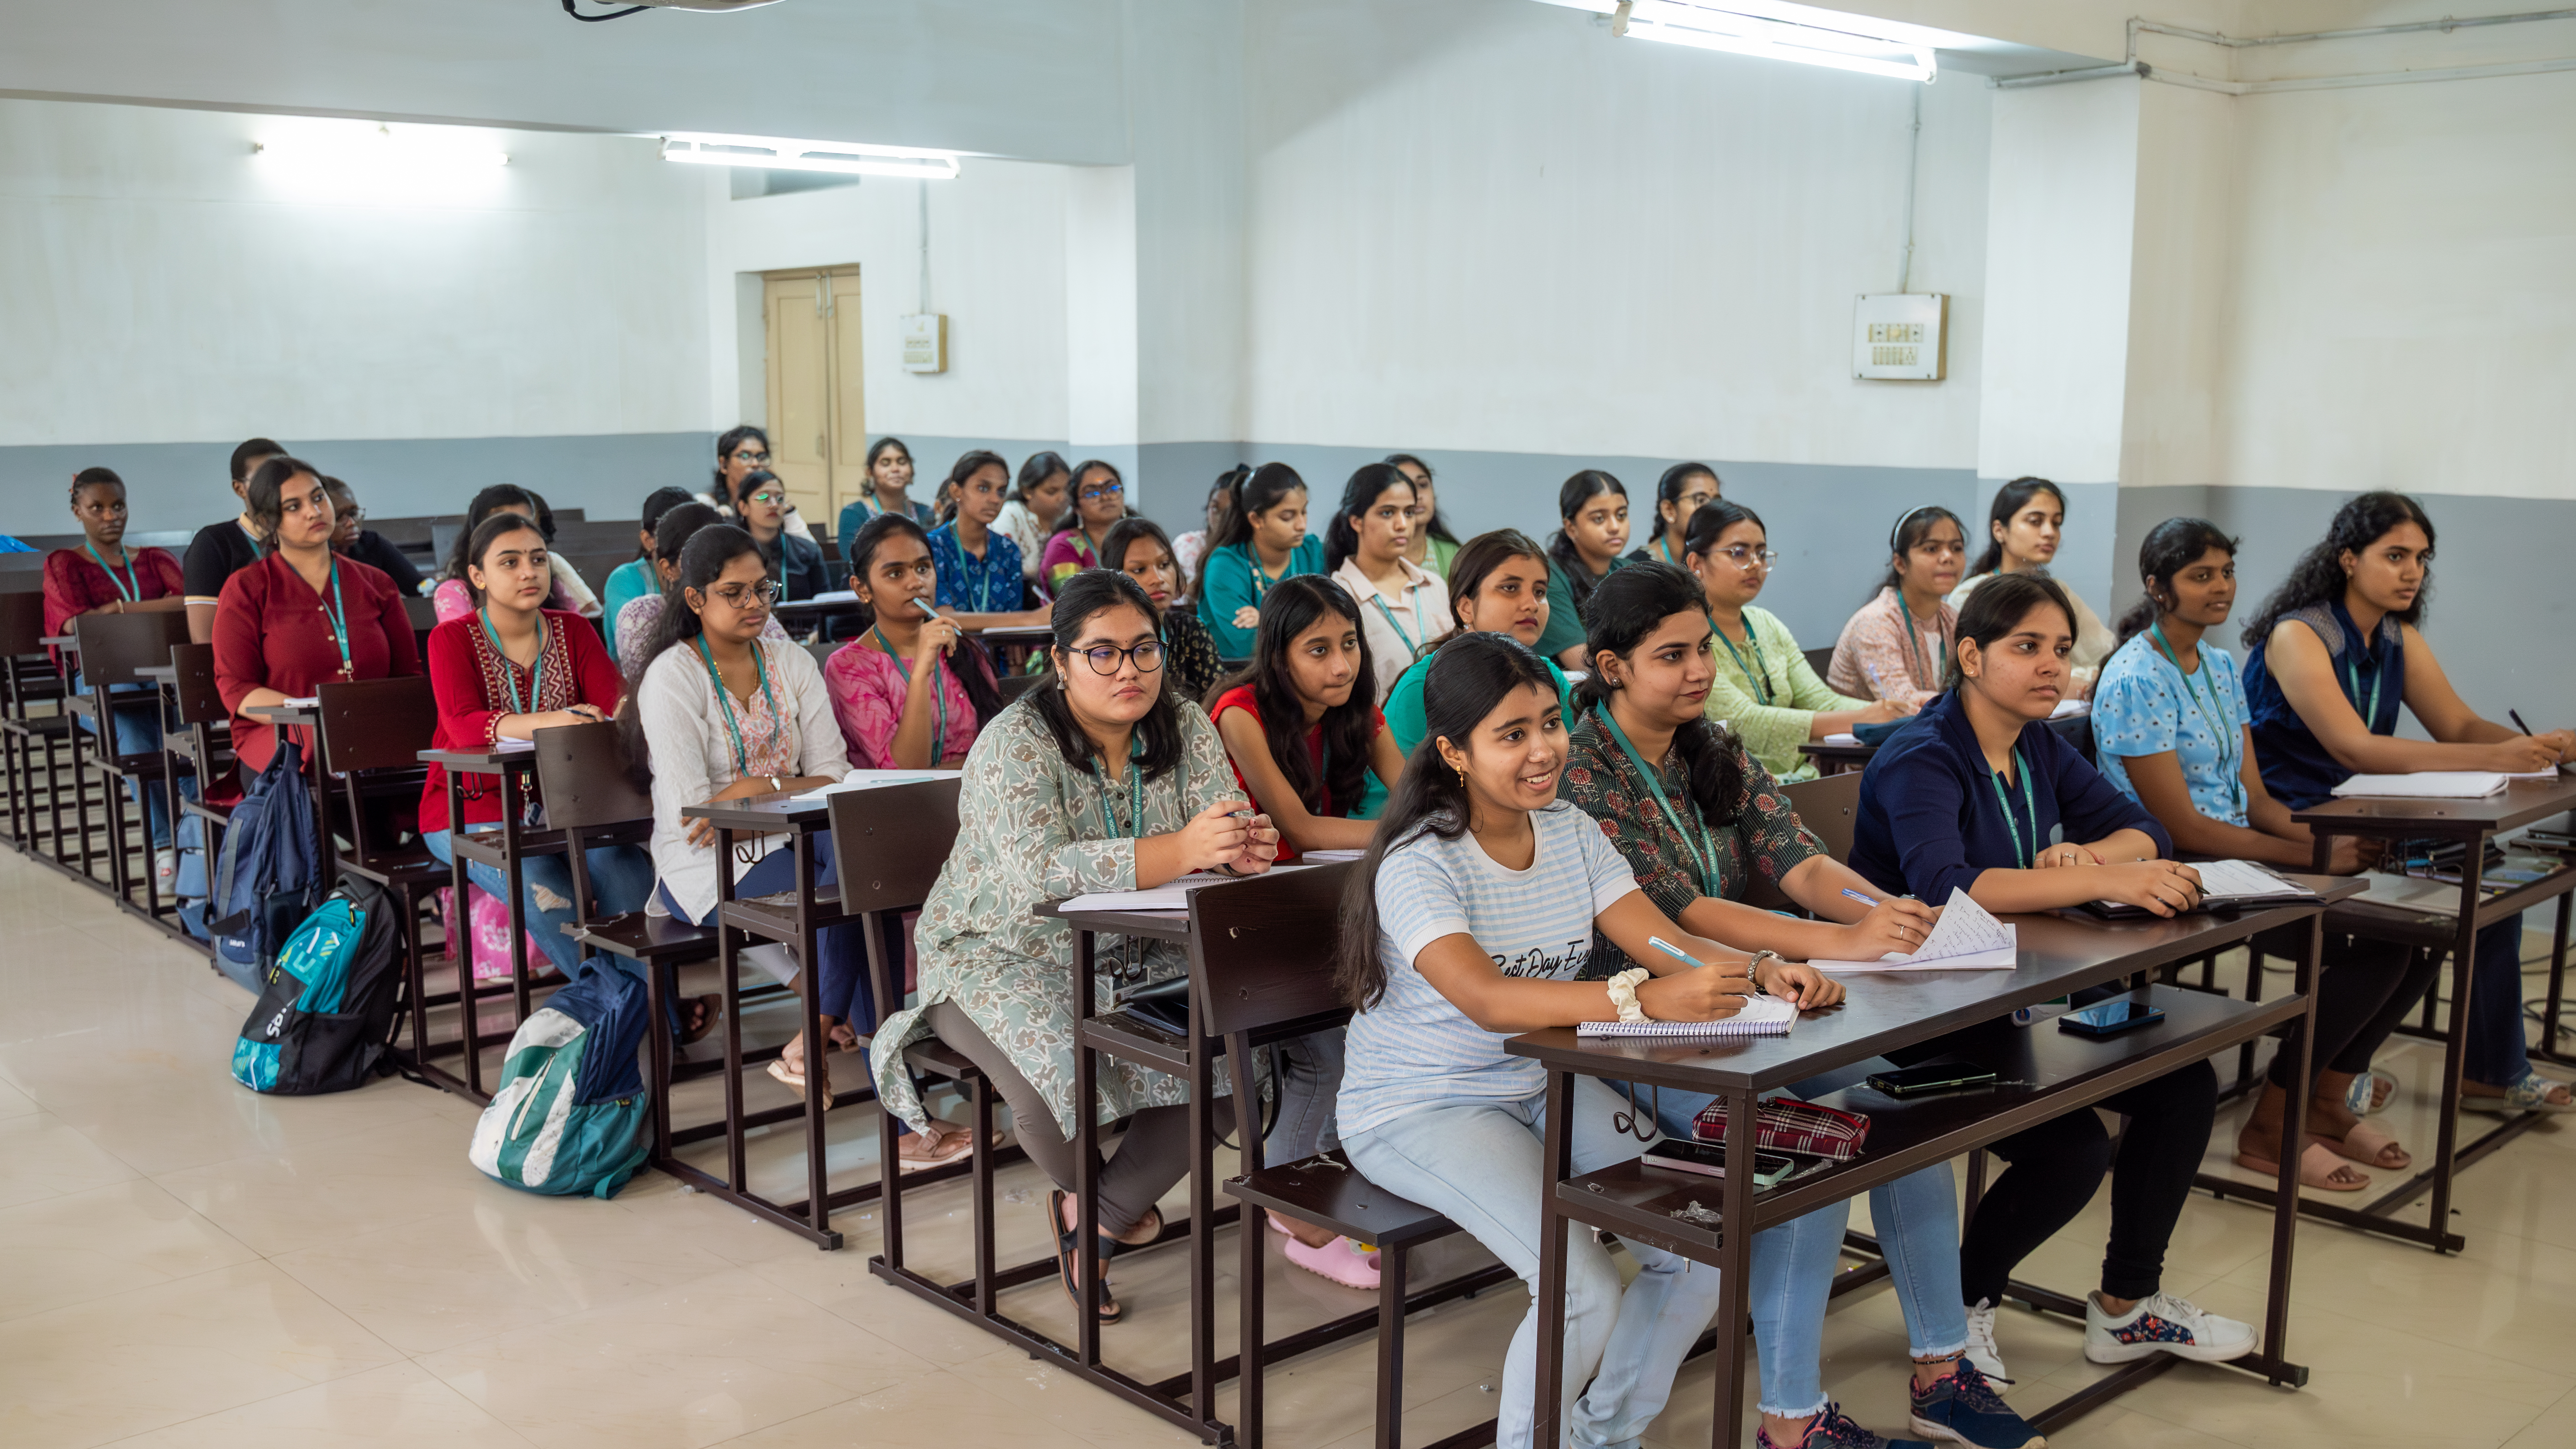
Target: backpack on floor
266, 879
568, 1115
330, 1001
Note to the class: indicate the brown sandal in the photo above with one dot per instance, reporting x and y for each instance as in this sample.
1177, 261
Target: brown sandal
2318, 1168
2368, 1146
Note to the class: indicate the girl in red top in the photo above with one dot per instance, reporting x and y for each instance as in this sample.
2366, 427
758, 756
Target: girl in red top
1304, 737
102, 576
503, 672
302, 614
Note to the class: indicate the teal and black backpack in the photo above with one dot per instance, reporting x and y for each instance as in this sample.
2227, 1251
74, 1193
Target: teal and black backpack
329, 1002
568, 1116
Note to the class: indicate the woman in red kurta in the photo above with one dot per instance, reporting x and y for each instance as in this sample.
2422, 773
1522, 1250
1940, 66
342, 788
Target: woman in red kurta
302, 614
510, 668
103, 576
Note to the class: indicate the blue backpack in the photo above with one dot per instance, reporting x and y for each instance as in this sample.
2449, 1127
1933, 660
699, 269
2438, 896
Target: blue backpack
331, 1001
568, 1116
267, 878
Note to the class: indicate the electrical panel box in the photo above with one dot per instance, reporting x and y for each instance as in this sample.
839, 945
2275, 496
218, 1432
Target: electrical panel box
1901, 336
925, 342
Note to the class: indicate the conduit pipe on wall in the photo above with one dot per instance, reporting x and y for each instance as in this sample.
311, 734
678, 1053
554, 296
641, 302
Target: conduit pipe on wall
2170, 76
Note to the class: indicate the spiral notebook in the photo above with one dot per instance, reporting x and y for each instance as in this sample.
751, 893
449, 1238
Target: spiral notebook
1761, 1016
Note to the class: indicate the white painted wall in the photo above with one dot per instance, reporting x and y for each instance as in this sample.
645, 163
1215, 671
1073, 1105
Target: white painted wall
1494, 227
2182, 289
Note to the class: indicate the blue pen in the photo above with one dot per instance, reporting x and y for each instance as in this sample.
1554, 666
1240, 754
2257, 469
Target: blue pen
1669, 949
1864, 900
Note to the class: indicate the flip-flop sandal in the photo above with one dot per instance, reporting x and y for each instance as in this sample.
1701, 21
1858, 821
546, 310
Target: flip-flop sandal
1111, 1311
961, 1145
2531, 1094
710, 1011
2318, 1167
2368, 1146
795, 1080
2369, 1093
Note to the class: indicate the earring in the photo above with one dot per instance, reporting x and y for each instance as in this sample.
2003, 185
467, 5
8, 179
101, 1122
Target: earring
1462, 775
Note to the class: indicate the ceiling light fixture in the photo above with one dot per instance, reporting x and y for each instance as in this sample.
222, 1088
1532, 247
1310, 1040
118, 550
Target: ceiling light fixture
380, 152
1776, 32
773, 153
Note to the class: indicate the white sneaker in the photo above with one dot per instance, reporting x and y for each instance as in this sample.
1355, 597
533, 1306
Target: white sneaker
1981, 1349
165, 868
2162, 1324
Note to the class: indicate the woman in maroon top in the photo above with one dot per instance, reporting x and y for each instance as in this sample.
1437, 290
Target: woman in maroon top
302, 614
503, 672
103, 576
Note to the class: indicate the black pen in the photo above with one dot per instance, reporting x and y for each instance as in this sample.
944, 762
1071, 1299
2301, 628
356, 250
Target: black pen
2516, 716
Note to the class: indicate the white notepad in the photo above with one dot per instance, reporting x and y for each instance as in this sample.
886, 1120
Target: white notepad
1761, 1016
1967, 938
2426, 785
2243, 880
876, 780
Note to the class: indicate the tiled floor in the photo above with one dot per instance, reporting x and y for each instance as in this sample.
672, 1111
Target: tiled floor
184, 1263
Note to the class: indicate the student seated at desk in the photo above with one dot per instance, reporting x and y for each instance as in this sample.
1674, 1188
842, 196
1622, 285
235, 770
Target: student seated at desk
1097, 780
637, 620
637, 576
1099, 501
1265, 540
2026, 521
796, 563
743, 451
1138, 548
980, 583
1404, 609
1678, 494
1765, 689
1498, 585
503, 672
907, 697
1433, 544
1698, 827
1033, 512
2170, 725
103, 576
454, 597
1592, 518
889, 472
1898, 645
2332, 654
1469, 922
1978, 794
302, 614
220, 550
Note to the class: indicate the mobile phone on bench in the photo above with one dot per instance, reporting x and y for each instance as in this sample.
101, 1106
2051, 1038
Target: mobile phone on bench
2111, 1018
1930, 1077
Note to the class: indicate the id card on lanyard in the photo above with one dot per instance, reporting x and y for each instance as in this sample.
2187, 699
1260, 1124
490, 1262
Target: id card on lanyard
724, 701
510, 668
338, 613
130, 587
938, 692
2029, 858
1703, 856
2227, 737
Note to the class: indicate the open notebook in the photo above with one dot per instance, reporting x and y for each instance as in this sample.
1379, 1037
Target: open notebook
1966, 938
1761, 1016
2426, 785
2223, 883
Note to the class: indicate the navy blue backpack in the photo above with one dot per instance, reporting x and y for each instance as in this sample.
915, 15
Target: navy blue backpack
267, 879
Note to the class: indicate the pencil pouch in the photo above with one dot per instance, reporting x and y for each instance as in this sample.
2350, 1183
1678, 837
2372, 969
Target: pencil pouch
1785, 1124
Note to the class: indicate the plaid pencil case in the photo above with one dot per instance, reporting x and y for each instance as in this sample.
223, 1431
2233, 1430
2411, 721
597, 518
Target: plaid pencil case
1785, 1124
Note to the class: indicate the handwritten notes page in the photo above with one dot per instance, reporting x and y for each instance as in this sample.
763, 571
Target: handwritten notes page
1966, 938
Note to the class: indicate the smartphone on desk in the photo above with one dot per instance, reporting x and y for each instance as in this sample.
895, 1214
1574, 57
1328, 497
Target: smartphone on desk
1708, 1159
1930, 1077
2110, 1018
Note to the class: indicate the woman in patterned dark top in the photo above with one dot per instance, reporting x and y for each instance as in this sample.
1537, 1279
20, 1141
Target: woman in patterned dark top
1699, 826
1138, 548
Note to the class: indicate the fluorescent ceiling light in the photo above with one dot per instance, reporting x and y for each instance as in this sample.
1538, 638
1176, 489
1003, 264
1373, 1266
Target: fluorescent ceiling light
381, 151
1779, 31
774, 153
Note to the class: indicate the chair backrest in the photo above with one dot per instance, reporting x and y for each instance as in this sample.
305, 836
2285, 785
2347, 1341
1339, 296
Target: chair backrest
376, 724
1819, 660
1264, 948
422, 612
22, 623
821, 650
595, 566
888, 844
581, 772
200, 703
1829, 806
113, 646
1015, 685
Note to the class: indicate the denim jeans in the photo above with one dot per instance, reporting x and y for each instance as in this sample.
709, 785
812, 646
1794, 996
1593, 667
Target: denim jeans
138, 731
1309, 1077
621, 879
1481, 1161
1917, 1221
2497, 1053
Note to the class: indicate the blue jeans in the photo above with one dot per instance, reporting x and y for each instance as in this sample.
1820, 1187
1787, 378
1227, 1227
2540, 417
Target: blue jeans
621, 879
1481, 1161
1310, 1077
1917, 1220
2496, 1051
138, 731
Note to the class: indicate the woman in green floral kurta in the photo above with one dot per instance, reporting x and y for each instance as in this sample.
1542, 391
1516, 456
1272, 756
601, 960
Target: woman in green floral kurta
1039, 820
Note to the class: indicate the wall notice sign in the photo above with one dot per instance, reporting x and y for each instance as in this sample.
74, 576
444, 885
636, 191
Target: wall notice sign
1901, 336
925, 342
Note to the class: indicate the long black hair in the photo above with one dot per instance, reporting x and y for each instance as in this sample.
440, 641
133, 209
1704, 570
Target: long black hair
1122, 536
1914, 526
671, 535
1468, 677
657, 503
1985, 620
2170, 547
261, 497
1289, 609
729, 440
2008, 501
1256, 491
1036, 470
1578, 490
974, 673
953, 490
1668, 488
702, 561
488, 532
1437, 526
1628, 606
2319, 578
1368, 484
876, 450
1084, 595
1709, 523
1478, 557
486, 503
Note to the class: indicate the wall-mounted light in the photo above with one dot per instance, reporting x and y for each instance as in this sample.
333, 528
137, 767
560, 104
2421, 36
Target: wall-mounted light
357, 148
1775, 30
775, 153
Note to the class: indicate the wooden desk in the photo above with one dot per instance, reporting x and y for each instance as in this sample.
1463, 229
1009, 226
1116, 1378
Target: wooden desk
505, 850
2060, 952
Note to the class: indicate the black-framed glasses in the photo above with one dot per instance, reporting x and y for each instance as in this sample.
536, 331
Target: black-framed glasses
747, 596
1109, 490
1106, 658
746, 455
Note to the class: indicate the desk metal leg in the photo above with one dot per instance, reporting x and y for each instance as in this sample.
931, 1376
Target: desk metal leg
2302, 1043
1735, 1269
1557, 1165
809, 966
2548, 1049
1086, 1159
2455, 1053
1202, 1177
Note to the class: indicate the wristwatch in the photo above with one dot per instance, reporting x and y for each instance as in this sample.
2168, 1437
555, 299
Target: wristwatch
1753, 969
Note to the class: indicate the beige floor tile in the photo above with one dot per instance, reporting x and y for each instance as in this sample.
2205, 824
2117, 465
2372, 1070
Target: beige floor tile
399, 1406
73, 1248
167, 1115
336, 1187
2554, 1429
1047, 1393
2504, 1296
700, 1363
41, 1156
113, 1367
935, 1410
14, 1103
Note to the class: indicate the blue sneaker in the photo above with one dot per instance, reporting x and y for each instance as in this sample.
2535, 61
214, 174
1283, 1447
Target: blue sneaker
1965, 1409
1832, 1431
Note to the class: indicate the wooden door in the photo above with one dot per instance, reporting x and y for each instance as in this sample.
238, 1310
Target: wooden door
817, 426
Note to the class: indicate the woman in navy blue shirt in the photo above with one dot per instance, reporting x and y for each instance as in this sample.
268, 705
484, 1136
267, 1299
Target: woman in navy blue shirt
1979, 795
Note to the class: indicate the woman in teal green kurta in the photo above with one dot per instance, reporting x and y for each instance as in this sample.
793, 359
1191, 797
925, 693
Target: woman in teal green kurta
1265, 540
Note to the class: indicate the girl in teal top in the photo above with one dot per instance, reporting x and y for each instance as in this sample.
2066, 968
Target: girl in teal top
1593, 509
1265, 540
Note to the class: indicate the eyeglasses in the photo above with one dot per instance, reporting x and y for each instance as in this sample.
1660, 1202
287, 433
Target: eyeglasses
1745, 557
1113, 490
746, 455
769, 498
1106, 658
747, 596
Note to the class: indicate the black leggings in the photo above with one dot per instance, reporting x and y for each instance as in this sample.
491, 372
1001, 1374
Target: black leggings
2365, 990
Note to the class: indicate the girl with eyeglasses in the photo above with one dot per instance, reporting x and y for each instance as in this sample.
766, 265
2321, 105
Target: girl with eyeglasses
1097, 780
908, 697
796, 564
1099, 501
1898, 644
740, 453
1265, 542
1765, 689
1678, 495
636, 621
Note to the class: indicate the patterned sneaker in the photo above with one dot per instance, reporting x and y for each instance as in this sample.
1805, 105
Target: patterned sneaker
1831, 1430
2162, 1324
1981, 1343
1964, 1409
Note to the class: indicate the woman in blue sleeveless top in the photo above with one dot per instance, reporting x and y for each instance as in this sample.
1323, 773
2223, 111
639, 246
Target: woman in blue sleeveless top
2329, 665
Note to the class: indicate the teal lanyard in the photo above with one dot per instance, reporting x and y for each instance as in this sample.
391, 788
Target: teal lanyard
510, 669
982, 569
938, 691
2378, 677
1704, 854
1664, 546
1410, 647
1925, 677
129, 588
2228, 741
339, 613
1262, 579
2012, 822
724, 701
1760, 669
1136, 800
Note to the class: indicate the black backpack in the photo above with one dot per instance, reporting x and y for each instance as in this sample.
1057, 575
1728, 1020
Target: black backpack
331, 1002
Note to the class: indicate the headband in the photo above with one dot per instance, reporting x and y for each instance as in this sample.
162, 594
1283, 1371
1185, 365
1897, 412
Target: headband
1909, 518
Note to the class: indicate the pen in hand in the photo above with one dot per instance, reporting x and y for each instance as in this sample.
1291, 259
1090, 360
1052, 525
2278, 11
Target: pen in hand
2516, 716
1678, 954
